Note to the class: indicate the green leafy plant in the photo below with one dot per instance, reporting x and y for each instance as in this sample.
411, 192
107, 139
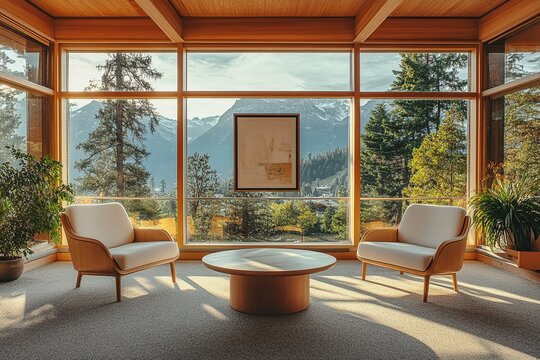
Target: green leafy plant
31, 195
508, 212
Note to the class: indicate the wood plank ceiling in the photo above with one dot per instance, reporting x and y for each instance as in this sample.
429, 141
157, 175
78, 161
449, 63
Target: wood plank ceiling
267, 8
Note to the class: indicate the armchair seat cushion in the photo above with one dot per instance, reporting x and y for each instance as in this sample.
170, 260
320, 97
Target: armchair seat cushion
397, 253
137, 254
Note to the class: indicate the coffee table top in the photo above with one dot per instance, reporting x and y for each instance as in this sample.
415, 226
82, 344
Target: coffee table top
269, 262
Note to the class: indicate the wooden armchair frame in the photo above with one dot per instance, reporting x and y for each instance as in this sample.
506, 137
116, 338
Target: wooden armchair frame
448, 259
92, 257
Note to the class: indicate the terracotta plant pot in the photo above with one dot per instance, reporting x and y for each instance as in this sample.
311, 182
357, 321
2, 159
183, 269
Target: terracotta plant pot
529, 260
11, 269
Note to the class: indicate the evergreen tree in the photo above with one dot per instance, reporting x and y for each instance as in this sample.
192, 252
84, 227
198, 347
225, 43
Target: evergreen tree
439, 166
383, 157
202, 181
115, 150
9, 119
163, 186
522, 132
248, 219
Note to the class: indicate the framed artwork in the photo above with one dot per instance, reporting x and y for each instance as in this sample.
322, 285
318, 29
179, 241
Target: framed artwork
266, 152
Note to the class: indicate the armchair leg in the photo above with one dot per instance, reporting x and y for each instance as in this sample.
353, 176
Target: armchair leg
364, 268
426, 287
79, 278
401, 273
173, 272
454, 278
118, 288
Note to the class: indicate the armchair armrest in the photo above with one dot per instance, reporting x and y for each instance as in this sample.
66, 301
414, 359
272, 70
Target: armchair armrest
449, 255
380, 234
151, 234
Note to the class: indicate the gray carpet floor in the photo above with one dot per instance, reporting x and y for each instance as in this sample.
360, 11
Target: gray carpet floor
495, 316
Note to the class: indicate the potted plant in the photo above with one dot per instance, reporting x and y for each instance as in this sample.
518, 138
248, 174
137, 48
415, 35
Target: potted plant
31, 195
508, 214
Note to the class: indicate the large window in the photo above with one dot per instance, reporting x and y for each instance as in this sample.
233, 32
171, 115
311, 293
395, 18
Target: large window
320, 212
514, 108
412, 149
23, 106
413, 136
124, 148
25, 97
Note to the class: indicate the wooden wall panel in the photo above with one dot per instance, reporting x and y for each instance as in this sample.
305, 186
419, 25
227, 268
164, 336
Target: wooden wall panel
318, 30
454, 8
97, 30
507, 17
426, 30
27, 18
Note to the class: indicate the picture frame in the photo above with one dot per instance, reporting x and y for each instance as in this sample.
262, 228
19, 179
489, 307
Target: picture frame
266, 152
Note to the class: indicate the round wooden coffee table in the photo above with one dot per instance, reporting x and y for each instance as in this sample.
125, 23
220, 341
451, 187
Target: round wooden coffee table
269, 281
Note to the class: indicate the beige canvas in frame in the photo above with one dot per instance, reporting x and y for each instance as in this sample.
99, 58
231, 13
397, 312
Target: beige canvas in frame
266, 152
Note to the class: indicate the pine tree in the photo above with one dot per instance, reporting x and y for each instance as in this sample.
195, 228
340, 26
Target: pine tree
248, 219
115, 150
522, 132
202, 181
9, 119
383, 157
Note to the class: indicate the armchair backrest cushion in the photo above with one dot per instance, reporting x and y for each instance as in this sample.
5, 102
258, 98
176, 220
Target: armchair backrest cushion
430, 225
108, 223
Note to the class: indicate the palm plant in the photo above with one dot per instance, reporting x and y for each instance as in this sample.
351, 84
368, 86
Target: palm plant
508, 213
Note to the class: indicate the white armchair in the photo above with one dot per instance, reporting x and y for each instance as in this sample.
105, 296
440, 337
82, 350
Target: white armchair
430, 240
102, 241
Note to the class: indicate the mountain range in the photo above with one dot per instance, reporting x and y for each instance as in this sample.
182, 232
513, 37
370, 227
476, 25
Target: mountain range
324, 126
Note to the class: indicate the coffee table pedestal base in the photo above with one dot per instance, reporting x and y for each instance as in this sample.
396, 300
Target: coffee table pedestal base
269, 295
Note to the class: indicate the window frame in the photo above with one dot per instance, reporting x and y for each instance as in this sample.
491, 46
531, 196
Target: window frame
475, 150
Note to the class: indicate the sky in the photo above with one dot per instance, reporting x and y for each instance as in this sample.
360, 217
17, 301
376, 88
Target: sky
255, 71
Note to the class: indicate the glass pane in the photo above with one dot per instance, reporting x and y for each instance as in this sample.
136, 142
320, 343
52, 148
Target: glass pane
392, 71
21, 122
514, 132
413, 148
324, 170
21, 56
88, 71
266, 71
114, 156
514, 57
242, 218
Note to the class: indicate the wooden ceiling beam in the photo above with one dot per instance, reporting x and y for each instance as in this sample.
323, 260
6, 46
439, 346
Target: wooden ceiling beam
506, 17
28, 19
165, 17
371, 16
